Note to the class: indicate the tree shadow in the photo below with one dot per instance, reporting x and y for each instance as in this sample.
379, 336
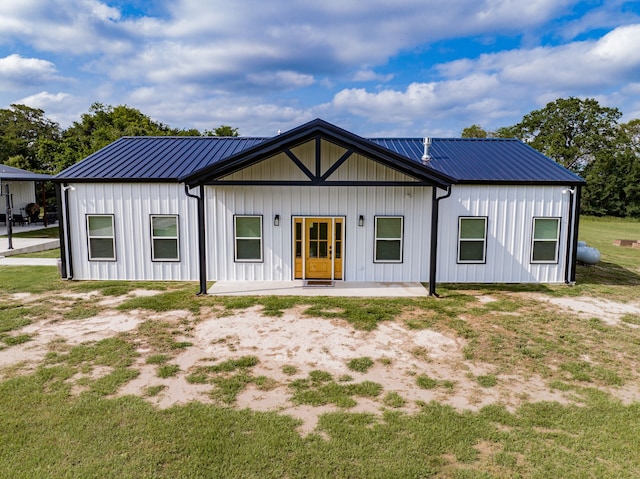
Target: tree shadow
604, 273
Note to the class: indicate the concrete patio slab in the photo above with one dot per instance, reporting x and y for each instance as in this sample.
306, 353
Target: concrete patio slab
27, 245
299, 288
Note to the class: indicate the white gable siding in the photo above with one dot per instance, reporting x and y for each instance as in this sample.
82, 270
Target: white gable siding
510, 211
223, 202
131, 205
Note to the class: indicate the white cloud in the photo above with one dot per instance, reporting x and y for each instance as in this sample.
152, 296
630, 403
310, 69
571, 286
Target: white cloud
63, 108
16, 72
483, 90
370, 75
209, 43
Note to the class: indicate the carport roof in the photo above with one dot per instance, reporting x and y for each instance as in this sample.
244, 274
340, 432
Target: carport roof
9, 173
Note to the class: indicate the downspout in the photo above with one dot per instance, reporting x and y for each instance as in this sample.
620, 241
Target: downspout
202, 246
64, 228
570, 235
576, 223
435, 207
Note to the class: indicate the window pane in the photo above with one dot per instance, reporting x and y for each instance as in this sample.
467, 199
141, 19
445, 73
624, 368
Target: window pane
298, 249
472, 228
248, 227
248, 249
298, 231
313, 231
165, 249
313, 249
338, 231
165, 226
323, 249
388, 227
546, 228
100, 226
324, 232
472, 251
388, 250
101, 248
544, 250
338, 250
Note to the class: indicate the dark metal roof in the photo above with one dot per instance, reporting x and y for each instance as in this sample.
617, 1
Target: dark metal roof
155, 158
9, 173
318, 129
196, 160
484, 160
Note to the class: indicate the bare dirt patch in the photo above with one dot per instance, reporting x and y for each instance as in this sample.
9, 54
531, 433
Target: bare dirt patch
586, 307
304, 344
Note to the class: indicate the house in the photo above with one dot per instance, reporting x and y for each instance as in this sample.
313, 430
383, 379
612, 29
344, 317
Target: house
20, 186
319, 202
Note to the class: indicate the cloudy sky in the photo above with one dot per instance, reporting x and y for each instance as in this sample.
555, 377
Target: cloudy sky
375, 67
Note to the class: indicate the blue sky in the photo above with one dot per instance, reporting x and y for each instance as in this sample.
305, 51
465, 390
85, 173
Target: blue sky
377, 68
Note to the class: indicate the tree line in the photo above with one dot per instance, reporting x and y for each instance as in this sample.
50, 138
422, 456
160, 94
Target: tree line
29, 140
588, 139
581, 135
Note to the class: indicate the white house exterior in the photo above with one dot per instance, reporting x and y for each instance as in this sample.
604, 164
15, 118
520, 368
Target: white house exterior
21, 187
319, 203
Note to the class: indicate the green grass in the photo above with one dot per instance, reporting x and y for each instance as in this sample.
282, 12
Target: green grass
49, 253
127, 437
168, 370
52, 232
70, 399
320, 389
360, 365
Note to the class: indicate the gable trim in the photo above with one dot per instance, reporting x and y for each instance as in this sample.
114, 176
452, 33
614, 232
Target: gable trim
316, 130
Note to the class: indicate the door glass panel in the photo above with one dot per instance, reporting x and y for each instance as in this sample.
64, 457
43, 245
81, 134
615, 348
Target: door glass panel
338, 231
323, 231
313, 231
313, 249
323, 249
298, 231
338, 250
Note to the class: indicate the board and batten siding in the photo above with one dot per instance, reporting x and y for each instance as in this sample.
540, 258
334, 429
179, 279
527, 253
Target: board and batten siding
22, 193
132, 204
510, 211
223, 202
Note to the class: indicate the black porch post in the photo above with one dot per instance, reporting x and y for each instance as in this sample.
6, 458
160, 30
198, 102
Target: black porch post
9, 216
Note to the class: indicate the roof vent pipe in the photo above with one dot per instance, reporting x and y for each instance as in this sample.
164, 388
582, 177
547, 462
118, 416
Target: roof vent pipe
426, 156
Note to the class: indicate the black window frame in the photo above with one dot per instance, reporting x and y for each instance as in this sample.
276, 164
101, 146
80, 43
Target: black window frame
376, 240
534, 240
461, 240
90, 237
164, 238
235, 239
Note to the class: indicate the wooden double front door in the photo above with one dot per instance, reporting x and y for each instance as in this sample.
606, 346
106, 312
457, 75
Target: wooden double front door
318, 247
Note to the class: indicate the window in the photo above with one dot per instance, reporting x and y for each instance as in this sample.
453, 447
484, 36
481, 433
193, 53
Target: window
544, 247
101, 236
248, 238
472, 239
164, 238
388, 244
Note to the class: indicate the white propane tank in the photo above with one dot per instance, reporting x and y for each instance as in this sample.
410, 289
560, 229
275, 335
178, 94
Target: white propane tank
587, 254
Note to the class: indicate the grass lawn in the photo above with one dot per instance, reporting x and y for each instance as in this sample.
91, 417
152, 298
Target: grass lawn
60, 418
51, 232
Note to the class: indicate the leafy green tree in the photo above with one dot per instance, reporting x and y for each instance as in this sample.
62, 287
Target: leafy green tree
223, 130
571, 131
474, 131
104, 124
22, 131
